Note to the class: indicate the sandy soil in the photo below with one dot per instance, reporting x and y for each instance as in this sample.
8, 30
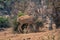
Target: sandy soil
49, 35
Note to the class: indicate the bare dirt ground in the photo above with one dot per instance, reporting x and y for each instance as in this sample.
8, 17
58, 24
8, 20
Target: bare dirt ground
49, 35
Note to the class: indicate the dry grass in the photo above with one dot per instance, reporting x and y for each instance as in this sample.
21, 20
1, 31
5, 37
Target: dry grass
49, 35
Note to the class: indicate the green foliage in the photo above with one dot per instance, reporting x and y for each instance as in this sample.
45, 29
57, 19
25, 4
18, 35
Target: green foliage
15, 23
8, 2
1, 6
47, 2
20, 14
4, 22
1, 0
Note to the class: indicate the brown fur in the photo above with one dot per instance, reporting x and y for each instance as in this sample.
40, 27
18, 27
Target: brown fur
25, 19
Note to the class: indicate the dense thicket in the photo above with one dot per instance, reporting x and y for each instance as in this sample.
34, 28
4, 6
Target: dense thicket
36, 8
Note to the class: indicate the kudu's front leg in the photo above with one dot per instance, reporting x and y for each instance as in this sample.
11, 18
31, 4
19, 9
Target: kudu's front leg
19, 28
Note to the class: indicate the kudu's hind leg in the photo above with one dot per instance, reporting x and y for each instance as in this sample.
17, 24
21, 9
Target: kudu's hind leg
34, 27
25, 28
28, 28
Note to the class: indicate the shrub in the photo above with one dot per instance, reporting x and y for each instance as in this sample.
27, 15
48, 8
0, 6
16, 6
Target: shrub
39, 23
20, 14
15, 24
4, 23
